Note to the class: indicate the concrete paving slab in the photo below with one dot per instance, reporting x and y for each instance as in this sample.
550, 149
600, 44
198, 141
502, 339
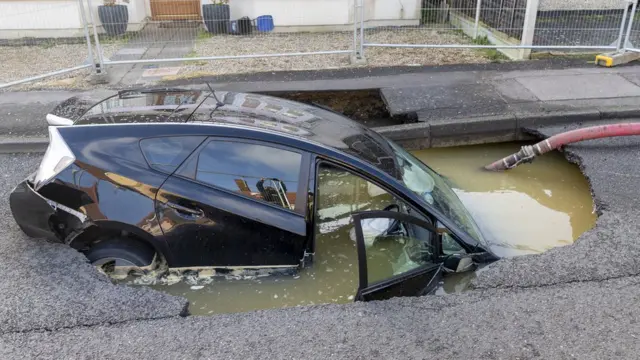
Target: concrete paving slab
175, 50
117, 73
590, 86
131, 51
159, 72
546, 72
292, 82
633, 77
512, 91
454, 114
468, 96
477, 71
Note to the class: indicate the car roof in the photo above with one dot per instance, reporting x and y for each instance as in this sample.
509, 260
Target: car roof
260, 113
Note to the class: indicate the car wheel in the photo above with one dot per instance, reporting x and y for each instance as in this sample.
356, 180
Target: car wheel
119, 257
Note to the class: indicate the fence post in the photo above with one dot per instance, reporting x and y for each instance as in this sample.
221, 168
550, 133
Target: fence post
355, 29
86, 35
622, 23
101, 71
362, 29
529, 27
475, 28
634, 7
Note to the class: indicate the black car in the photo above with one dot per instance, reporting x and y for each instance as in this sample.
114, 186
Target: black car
223, 180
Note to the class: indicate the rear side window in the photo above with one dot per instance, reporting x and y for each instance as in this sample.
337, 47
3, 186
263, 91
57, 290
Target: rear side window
261, 172
167, 153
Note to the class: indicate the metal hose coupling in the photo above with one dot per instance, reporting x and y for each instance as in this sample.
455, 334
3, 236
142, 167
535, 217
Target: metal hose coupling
526, 155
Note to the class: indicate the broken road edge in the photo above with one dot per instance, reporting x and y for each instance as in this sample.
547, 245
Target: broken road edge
444, 132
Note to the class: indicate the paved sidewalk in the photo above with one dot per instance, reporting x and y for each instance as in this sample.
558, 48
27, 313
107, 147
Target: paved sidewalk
154, 42
471, 93
444, 101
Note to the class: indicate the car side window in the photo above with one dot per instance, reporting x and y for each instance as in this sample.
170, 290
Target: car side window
392, 247
261, 172
167, 153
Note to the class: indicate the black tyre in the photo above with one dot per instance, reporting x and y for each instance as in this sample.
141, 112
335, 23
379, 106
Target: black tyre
121, 255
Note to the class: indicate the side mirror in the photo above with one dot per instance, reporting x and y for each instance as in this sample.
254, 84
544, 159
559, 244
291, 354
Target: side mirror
54, 120
459, 263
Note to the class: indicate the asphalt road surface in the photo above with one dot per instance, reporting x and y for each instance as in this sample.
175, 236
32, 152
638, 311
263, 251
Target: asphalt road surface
580, 301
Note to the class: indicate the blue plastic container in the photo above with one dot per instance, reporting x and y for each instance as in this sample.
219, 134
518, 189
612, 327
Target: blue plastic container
264, 23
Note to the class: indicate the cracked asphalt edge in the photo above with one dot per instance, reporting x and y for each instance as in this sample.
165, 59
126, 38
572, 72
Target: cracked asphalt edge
610, 250
46, 285
614, 221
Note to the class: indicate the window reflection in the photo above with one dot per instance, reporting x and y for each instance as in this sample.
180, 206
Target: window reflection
261, 172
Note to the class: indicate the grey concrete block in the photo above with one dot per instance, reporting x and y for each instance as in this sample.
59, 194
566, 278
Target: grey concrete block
96, 79
415, 144
405, 131
461, 96
618, 112
357, 60
474, 139
471, 131
495, 109
528, 120
505, 123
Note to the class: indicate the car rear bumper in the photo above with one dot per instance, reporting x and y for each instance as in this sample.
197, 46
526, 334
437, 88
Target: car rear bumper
38, 216
32, 212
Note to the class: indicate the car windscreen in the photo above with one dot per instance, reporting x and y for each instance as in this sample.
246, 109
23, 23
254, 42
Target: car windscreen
429, 185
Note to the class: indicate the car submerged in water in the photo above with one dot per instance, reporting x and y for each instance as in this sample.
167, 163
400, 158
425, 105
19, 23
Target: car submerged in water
224, 180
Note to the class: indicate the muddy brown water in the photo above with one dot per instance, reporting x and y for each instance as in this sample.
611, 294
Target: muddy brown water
526, 210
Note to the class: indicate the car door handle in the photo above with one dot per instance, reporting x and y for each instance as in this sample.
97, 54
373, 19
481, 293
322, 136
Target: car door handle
186, 210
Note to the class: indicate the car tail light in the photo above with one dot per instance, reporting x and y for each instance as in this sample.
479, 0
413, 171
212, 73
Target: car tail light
57, 158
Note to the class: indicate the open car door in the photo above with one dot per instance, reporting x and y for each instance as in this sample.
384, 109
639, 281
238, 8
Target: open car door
397, 255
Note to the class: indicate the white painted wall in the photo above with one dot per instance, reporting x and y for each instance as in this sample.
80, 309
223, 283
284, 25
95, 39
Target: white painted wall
393, 10
31, 18
61, 18
138, 12
323, 12
295, 12
56, 18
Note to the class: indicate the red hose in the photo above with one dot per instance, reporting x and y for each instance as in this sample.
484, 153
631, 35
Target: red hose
527, 153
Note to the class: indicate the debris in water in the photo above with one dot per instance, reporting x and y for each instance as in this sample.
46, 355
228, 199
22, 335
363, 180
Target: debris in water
197, 287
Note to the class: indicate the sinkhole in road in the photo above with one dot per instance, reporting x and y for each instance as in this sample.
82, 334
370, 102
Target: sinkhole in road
523, 211
365, 106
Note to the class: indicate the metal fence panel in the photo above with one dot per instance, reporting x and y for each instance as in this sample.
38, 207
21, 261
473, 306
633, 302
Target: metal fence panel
209, 38
598, 27
632, 34
51, 41
506, 25
38, 43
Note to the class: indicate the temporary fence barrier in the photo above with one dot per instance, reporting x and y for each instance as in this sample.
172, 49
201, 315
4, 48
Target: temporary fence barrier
298, 35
